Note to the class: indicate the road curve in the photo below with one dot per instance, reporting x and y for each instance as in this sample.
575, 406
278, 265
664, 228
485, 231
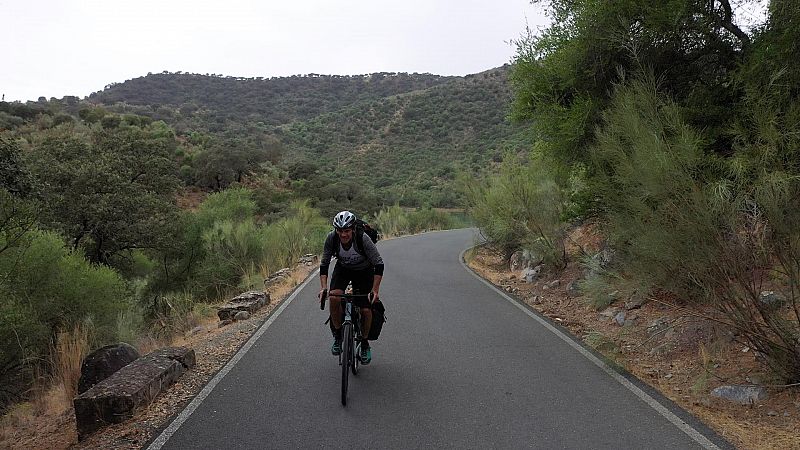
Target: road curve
459, 365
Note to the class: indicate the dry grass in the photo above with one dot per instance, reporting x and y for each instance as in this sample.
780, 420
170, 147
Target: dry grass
39, 423
71, 347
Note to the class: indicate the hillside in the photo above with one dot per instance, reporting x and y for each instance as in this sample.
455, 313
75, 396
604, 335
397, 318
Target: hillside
415, 142
271, 101
402, 137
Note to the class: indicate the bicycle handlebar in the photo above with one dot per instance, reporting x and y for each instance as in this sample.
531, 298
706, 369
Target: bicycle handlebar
325, 296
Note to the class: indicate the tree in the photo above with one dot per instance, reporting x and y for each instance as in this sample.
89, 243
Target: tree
111, 195
232, 159
13, 176
565, 76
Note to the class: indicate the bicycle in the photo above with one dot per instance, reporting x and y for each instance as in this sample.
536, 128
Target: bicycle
351, 337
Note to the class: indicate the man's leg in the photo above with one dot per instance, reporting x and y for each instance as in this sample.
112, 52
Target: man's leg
366, 322
335, 311
362, 282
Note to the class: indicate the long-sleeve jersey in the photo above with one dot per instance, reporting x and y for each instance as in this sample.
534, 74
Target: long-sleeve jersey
351, 258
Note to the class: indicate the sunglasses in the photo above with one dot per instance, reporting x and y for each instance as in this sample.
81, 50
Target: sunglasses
340, 230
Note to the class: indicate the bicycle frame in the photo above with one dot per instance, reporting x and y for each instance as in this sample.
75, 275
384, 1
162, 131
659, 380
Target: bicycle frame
351, 338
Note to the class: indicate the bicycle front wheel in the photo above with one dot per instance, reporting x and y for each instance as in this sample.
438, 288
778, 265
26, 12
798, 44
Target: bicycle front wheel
354, 361
347, 357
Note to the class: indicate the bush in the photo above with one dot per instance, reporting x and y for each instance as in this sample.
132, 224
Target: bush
659, 192
425, 219
521, 207
392, 221
46, 288
705, 228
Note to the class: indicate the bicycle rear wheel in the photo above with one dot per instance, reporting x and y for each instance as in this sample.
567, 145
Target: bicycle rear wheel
347, 357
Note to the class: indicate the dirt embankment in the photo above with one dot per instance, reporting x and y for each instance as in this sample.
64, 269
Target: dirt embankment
674, 350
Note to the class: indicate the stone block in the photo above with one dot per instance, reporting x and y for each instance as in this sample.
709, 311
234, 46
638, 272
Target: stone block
116, 398
249, 301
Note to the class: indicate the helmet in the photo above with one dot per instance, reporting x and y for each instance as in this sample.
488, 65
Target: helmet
344, 219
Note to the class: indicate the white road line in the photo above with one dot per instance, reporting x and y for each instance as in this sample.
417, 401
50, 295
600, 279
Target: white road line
645, 397
184, 415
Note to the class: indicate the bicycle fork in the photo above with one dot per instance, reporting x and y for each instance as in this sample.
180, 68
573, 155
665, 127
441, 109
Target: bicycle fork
355, 344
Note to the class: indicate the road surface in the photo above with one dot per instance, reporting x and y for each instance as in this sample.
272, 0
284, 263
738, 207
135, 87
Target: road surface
459, 365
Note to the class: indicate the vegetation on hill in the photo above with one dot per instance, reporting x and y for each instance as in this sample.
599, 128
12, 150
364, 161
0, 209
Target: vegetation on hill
271, 101
377, 139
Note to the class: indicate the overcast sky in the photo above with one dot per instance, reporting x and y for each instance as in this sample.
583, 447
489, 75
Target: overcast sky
54, 48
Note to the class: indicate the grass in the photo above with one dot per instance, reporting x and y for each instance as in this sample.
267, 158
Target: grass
70, 349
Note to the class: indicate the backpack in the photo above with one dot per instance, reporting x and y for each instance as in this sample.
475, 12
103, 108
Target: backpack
378, 318
365, 228
362, 228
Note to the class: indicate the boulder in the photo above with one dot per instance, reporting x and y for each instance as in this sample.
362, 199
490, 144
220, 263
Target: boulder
249, 301
278, 276
744, 395
308, 259
635, 301
772, 299
241, 315
116, 398
531, 275
523, 259
103, 362
573, 289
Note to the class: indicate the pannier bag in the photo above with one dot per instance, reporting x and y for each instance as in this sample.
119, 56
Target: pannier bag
378, 318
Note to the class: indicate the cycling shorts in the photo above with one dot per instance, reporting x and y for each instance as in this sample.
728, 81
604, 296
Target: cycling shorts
362, 282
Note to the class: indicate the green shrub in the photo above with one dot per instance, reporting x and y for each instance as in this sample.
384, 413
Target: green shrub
701, 227
392, 221
521, 207
47, 287
234, 205
425, 219
286, 240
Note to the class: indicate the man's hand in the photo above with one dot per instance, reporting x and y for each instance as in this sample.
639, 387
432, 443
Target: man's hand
374, 297
322, 295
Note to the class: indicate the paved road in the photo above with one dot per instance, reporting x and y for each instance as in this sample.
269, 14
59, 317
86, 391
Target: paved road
458, 366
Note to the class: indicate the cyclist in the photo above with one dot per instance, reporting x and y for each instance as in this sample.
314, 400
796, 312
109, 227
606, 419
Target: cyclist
363, 267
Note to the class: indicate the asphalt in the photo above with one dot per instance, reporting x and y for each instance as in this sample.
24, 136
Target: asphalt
459, 365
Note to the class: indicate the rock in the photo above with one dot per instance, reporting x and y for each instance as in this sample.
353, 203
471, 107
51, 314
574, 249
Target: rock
523, 259
609, 312
573, 289
531, 275
515, 262
197, 330
772, 299
619, 318
278, 276
103, 362
635, 301
249, 301
553, 284
744, 395
224, 323
116, 398
657, 326
308, 259
241, 315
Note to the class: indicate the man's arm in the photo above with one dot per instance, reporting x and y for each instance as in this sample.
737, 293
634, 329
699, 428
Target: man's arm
376, 287
371, 252
327, 254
